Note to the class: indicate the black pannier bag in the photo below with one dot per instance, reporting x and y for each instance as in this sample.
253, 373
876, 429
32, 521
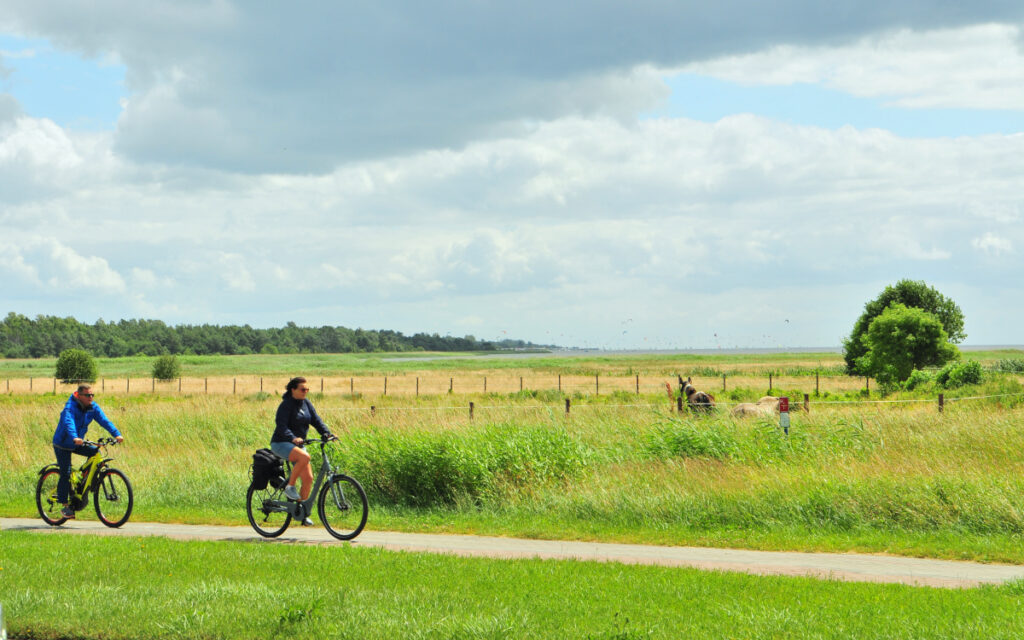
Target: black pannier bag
267, 468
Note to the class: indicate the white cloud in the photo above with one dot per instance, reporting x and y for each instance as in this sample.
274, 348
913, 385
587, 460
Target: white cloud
78, 271
991, 244
975, 67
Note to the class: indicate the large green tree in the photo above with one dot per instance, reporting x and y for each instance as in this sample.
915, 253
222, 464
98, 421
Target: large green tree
902, 339
910, 293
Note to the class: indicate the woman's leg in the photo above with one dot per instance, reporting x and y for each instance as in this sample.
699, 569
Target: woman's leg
301, 469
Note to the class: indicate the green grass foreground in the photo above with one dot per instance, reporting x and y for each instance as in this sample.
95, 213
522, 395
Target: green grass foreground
140, 588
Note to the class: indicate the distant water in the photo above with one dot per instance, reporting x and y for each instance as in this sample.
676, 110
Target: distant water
590, 353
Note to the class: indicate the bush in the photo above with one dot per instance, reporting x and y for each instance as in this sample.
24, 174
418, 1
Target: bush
76, 365
166, 368
917, 379
958, 374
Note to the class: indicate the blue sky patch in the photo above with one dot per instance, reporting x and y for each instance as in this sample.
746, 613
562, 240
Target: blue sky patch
710, 99
75, 92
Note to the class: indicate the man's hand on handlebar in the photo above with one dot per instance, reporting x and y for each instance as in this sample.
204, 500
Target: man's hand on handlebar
297, 441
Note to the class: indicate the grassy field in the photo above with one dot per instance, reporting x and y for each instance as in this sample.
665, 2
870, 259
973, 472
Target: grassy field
405, 374
898, 478
159, 588
583, 363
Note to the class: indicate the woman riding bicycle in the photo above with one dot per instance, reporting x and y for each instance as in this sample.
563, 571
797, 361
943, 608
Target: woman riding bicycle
294, 416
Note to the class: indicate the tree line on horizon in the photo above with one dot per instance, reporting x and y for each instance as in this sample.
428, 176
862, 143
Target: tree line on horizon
43, 336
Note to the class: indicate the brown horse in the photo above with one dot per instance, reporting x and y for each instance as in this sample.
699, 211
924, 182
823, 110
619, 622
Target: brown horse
696, 400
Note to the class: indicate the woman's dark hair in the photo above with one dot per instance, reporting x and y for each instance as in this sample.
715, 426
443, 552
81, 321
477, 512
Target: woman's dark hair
294, 383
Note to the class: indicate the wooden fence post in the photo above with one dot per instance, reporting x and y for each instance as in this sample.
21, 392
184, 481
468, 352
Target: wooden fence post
152, 388
321, 385
520, 383
234, 386
816, 387
769, 384
867, 384
55, 385
103, 384
373, 410
261, 384
559, 383
179, 384
451, 385
485, 384
723, 382
941, 402
807, 402
597, 384
679, 404
206, 385
470, 410
385, 385
30, 383
128, 385
417, 386
567, 406
351, 386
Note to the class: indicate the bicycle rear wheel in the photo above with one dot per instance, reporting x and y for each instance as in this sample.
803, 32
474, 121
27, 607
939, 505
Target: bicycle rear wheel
343, 507
267, 522
112, 497
46, 498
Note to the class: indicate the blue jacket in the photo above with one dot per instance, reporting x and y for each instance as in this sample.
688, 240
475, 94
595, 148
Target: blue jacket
74, 423
294, 418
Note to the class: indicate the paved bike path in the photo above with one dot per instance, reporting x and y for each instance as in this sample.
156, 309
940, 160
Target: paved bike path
839, 566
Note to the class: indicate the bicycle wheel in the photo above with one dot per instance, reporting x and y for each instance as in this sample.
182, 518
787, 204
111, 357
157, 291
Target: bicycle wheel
267, 522
343, 507
46, 498
112, 497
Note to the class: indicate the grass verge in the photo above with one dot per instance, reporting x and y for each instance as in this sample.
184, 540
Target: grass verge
142, 588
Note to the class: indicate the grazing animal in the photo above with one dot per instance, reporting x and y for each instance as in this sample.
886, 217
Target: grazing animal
696, 400
765, 406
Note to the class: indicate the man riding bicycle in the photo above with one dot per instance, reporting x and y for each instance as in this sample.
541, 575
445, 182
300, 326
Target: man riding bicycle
78, 413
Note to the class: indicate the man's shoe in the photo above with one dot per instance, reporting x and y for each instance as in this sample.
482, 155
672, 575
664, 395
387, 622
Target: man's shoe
68, 513
306, 522
291, 493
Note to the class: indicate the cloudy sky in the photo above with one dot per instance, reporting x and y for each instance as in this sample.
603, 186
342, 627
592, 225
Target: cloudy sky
604, 174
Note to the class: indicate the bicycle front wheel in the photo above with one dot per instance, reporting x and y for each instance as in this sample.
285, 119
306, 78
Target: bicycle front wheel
264, 516
112, 497
46, 498
343, 507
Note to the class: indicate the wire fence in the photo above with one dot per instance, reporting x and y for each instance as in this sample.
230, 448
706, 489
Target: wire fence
676, 405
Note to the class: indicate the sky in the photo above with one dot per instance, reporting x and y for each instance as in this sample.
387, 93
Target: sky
643, 175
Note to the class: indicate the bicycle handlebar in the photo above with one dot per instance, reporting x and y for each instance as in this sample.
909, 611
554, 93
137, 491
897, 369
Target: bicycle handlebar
320, 440
102, 442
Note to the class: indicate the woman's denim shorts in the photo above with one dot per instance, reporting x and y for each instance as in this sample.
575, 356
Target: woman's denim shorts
282, 449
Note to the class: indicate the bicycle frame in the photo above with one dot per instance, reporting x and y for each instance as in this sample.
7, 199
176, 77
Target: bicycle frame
301, 509
87, 476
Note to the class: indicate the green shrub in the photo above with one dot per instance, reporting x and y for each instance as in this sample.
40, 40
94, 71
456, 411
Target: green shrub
685, 440
76, 365
448, 468
917, 380
958, 374
166, 368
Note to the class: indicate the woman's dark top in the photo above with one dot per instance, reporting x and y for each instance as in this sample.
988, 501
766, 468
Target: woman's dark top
293, 419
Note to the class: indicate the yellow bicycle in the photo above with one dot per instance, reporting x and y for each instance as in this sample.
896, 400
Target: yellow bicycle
112, 493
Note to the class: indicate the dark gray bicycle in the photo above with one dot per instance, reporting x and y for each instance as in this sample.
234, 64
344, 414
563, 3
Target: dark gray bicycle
341, 503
